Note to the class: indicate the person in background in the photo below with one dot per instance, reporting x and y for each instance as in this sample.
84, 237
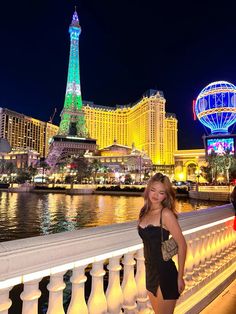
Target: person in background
233, 201
233, 197
163, 282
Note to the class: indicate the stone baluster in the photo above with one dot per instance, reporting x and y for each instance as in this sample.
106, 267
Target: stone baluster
30, 297
214, 249
224, 243
203, 237
228, 241
5, 301
232, 243
189, 264
201, 254
207, 248
142, 298
129, 285
209, 252
97, 303
56, 287
114, 292
224, 232
220, 246
78, 303
196, 258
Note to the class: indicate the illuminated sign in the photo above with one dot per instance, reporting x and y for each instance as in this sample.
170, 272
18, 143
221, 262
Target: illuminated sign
220, 146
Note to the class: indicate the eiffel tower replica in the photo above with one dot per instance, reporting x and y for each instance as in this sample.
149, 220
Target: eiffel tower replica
72, 138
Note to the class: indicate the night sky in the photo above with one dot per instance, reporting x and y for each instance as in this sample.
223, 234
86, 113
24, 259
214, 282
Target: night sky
126, 47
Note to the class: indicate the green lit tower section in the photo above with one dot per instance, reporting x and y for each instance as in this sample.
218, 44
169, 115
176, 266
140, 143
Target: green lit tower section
72, 117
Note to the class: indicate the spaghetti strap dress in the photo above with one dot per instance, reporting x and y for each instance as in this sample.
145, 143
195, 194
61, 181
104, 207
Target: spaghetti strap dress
158, 272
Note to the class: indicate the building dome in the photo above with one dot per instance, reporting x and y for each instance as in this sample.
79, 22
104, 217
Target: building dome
215, 106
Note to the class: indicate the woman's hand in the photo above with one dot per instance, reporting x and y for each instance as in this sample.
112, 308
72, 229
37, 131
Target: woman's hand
181, 285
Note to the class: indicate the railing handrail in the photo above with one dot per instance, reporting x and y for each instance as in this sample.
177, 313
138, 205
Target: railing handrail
26, 256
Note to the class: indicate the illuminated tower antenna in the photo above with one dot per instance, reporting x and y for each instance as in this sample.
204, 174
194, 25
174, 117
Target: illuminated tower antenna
72, 116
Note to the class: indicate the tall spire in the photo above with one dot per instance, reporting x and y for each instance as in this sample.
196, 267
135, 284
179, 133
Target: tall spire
72, 116
75, 19
72, 138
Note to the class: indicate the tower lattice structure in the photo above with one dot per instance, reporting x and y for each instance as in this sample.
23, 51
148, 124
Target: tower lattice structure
72, 117
72, 138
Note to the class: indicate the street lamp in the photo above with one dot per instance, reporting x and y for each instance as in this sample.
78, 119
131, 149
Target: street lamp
198, 174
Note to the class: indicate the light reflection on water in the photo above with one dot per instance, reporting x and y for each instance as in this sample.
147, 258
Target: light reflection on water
30, 214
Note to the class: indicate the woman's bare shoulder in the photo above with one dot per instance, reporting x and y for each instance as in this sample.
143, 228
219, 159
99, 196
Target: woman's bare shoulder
168, 213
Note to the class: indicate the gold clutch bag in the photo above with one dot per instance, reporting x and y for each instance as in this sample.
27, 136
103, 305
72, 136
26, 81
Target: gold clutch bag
169, 248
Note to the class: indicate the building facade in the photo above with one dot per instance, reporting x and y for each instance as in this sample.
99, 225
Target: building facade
120, 160
20, 158
170, 138
188, 163
145, 124
26, 132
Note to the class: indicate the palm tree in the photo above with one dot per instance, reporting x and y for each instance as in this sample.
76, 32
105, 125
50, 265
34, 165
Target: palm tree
79, 165
22, 176
220, 164
32, 172
10, 168
95, 166
44, 165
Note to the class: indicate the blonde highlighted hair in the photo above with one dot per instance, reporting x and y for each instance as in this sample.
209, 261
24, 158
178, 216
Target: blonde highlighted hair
168, 202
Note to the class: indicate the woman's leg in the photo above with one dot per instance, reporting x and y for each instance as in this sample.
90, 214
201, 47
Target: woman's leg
159, 305
153, 301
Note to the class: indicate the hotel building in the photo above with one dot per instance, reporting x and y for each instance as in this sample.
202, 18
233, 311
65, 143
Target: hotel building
144, 124
21, 158
25, 132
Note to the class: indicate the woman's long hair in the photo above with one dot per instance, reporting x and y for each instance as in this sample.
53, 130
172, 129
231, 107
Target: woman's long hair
168, 202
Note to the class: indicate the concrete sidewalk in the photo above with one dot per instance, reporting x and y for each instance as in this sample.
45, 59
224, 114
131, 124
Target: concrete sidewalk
225, 303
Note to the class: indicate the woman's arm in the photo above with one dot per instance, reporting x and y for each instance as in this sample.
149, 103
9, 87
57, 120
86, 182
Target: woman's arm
171, 223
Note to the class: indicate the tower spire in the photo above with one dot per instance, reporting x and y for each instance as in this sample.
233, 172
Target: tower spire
75, 19
72, 116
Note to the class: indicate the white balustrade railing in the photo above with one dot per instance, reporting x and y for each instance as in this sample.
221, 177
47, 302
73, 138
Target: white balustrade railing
117, 250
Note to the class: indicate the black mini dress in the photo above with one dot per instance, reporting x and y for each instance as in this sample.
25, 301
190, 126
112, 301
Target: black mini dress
158, 272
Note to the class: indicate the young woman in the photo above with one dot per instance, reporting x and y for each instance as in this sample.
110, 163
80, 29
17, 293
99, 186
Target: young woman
163, 282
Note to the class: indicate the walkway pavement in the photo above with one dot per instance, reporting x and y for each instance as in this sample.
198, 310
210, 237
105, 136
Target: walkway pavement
225, 303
